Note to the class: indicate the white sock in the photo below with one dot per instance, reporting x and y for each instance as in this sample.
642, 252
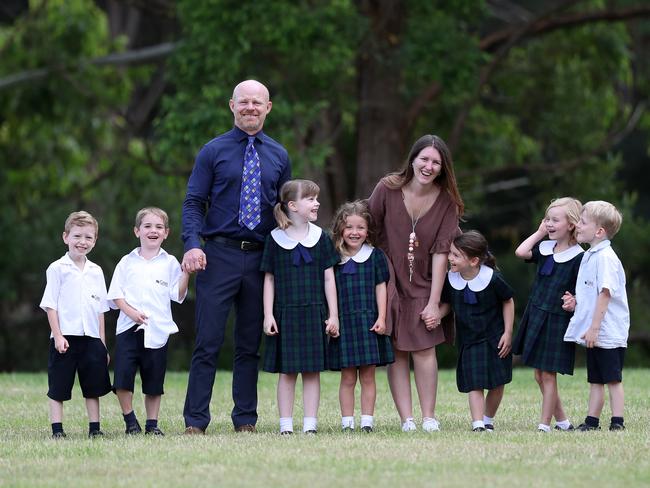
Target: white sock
563, 424
286, 424
544, 427
429, 424
488, 420
367, 421
408, 425
477, 423
309, 423
347, 422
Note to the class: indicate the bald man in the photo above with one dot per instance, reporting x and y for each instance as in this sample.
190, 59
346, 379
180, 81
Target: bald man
224, 211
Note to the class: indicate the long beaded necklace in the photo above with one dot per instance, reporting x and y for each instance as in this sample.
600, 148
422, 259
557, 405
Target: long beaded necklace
413, 238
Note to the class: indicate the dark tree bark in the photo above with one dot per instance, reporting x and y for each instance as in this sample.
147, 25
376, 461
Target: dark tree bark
381, 113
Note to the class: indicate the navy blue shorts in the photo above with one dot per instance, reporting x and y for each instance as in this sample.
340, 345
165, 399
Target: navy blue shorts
130, 354
605, 365
85, 356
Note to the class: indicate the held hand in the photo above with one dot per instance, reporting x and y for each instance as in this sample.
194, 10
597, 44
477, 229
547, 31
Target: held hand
431, 316
61, 344
568, 302
379, 327
332, 326
194, 260
270, 326
590, 337
505, 345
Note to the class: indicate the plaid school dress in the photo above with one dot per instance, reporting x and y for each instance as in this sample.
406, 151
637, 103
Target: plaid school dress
356, 279
299, 304
478, 310
540, 338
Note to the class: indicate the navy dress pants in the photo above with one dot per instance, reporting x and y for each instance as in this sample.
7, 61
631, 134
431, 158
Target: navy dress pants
232, 277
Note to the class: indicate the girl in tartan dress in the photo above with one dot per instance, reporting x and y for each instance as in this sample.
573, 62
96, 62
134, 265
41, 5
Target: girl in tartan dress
361, 278
540, 338
300, 307
484, 311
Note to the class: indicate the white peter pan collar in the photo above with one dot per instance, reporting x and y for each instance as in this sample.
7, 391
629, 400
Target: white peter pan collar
361, 256
479, 283
286, 242
546, 249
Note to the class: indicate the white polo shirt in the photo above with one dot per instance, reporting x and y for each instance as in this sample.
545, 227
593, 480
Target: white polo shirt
78, 296
148, 285
600, 268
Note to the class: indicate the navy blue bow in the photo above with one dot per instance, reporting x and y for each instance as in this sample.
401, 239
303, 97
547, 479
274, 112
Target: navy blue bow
350, 267
469, 296
547, 267
300, 253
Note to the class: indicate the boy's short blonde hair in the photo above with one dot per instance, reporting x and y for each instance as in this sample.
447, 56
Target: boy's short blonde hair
605, 215
80, 219
158, 212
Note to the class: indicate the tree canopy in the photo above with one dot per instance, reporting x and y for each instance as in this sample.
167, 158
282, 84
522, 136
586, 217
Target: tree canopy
104, 104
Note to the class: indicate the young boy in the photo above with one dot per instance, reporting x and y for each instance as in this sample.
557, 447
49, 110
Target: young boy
75, 302
601, 320
143, 284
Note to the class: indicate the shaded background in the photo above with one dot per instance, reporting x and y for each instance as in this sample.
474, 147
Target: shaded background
104, 104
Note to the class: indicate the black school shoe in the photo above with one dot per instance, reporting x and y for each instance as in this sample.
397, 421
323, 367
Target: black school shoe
586, 428
94, 434
616, 426
570, 427
478, 429
153, 431
59, 435
133, 429
489, 427
367, 429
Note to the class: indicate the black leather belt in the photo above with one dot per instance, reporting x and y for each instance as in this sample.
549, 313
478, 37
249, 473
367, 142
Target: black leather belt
242, 245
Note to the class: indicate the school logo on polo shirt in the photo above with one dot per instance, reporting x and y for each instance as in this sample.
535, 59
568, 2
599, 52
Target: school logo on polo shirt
163, 283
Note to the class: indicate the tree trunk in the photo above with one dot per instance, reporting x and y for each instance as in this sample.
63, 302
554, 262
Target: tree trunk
380, 145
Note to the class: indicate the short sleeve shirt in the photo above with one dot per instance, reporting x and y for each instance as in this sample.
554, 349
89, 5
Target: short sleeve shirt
600, 268
78, 296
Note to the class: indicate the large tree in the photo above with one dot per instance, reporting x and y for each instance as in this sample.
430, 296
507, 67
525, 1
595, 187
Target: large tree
104, 104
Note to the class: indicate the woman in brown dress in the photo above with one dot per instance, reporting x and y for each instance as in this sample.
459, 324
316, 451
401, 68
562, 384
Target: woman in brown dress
417, 212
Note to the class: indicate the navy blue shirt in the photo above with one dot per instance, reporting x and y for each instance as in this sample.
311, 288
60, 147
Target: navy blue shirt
211, 205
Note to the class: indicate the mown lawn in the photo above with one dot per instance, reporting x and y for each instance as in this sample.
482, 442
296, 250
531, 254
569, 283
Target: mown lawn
515, 455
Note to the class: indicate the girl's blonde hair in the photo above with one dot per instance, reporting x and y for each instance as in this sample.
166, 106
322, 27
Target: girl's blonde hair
572, 208
358, 208
292, 191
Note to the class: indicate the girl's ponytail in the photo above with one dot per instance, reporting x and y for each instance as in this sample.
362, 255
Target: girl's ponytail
280, 214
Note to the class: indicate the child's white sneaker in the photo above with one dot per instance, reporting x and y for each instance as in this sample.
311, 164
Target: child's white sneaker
409, 425
430, 425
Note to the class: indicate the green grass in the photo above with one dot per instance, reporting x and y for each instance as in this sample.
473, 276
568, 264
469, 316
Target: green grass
514, 456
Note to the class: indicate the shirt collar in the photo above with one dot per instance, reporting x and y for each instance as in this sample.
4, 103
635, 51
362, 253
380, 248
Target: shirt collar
136, 253
600, 246
361, 256
478, 283
67, 260
240, 135
546, 249
286, 242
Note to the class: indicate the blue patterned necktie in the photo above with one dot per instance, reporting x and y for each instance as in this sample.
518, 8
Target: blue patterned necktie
251, 188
